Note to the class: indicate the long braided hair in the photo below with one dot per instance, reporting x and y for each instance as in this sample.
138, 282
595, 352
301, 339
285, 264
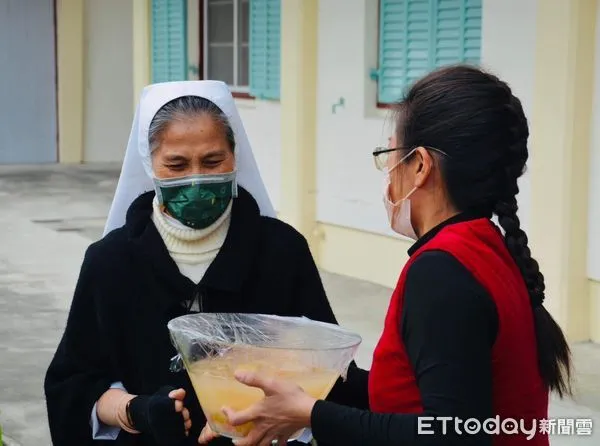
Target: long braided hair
473, 117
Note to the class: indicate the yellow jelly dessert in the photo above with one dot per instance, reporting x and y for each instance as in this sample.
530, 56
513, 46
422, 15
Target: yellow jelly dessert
216, 387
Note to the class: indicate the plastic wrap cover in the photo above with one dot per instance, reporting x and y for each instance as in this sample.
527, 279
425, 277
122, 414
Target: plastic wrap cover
272, 338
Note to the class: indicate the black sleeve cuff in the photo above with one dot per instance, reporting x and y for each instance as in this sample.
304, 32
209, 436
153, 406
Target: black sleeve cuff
334, 424
323, 420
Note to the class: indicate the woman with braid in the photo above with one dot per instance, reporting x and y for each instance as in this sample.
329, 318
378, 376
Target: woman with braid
466, 337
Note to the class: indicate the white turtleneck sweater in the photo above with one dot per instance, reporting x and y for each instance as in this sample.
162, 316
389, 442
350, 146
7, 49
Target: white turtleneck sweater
193, 250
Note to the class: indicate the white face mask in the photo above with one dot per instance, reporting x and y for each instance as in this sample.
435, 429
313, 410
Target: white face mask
399, 212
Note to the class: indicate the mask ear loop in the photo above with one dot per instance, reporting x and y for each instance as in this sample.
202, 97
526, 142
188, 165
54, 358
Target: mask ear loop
389, 171
405, 157
234, 183
410, 193
157, 190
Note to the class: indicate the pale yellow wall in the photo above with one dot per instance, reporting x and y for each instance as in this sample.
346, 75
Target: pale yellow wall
108, 80
363, 255
141, 47
560, 151
299, 22
70, 67
594, 311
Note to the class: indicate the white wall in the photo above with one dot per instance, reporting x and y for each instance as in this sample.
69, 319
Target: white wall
508, 49
109, 79
349, 186
262, 121
594, 190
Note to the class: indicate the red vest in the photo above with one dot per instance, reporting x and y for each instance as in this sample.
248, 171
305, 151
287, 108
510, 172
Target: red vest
518, 390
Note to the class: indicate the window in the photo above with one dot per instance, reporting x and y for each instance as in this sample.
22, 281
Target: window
169, 40
241, 45
417, 36
265, 48
226, 42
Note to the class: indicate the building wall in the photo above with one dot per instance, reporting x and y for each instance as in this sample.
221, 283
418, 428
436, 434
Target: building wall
561, 133
141, 48
262, 121
349, 187
594, 197
108, 79
351, 230
509, 55
28, 132
70, 78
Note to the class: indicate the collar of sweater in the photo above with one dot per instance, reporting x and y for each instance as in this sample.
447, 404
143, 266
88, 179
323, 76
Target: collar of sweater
187, 245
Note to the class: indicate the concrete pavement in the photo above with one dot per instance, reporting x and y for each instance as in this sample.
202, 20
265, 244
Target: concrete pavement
50, 214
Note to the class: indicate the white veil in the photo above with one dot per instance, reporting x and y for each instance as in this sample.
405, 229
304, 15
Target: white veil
136, 173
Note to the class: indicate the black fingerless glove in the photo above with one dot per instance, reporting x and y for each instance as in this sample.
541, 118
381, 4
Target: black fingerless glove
155, 415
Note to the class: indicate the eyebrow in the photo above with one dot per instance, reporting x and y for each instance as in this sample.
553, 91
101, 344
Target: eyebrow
181, 158
214, 152
175, 157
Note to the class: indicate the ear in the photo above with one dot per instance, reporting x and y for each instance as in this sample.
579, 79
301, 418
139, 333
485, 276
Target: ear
424, 162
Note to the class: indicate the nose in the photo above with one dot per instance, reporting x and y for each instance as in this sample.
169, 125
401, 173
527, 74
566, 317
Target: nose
197, 171
197, 168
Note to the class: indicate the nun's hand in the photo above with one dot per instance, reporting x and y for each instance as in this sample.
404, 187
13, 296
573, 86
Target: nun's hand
285, 410
207, 435
162, 415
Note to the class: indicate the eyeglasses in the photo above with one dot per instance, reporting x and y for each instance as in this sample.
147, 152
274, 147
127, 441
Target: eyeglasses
381, 155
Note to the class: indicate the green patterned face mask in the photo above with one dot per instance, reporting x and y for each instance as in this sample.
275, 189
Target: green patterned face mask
197, 201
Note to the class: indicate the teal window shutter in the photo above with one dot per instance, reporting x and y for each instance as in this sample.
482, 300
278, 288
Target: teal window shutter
265, 48
457, 32
417, 36
169, 40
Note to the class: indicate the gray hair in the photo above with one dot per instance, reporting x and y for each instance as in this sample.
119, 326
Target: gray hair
186, 107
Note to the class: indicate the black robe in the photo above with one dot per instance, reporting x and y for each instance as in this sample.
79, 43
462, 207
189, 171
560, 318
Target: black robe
129, 288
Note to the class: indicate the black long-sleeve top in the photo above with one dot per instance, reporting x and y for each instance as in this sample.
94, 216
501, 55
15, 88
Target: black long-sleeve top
448, 326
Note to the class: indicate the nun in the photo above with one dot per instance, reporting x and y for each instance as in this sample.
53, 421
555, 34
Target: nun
191, 229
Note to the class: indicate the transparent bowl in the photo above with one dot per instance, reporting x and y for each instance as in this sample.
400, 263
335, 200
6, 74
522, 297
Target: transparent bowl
213, 346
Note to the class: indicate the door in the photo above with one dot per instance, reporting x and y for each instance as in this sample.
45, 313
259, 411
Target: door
28, 127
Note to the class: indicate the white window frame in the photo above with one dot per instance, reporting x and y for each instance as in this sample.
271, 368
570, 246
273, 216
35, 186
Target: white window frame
205, 43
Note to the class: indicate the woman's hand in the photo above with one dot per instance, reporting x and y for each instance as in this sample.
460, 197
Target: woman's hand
285, 410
